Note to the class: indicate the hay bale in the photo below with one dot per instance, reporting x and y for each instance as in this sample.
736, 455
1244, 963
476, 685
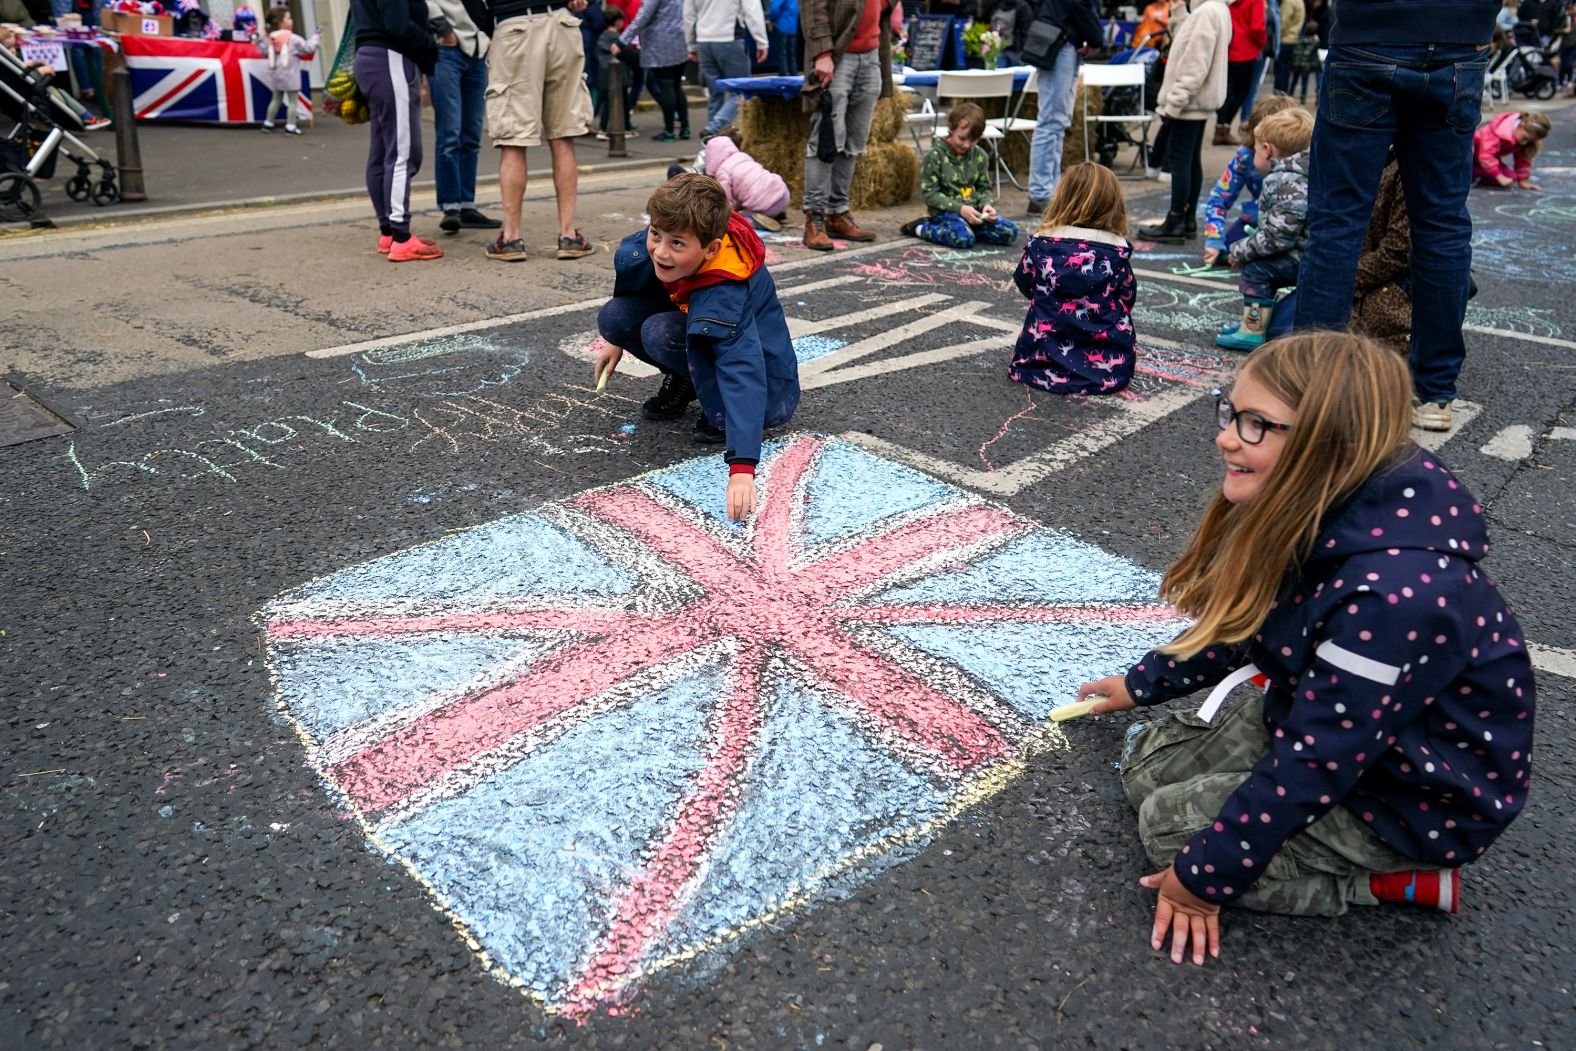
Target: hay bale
888, 121
775, 131
886, 175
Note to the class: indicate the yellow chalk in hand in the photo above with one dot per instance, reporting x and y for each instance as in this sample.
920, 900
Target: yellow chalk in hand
601, 381
1077, 708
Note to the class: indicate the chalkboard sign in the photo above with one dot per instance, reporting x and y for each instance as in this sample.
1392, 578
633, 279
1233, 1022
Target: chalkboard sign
930, 42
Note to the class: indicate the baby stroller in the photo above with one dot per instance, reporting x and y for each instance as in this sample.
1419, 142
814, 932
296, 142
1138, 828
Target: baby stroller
37, 130
1527, 67
1125, 100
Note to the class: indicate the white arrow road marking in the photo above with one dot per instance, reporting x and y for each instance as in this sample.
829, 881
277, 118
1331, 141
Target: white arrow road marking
1553, 659
1515, 442
1130, 418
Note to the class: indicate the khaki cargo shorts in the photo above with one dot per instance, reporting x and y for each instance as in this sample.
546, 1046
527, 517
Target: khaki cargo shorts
536, 86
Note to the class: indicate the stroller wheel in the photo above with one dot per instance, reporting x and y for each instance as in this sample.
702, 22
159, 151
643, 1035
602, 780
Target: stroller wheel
1546, 90
19, 200
105, 192
79, 187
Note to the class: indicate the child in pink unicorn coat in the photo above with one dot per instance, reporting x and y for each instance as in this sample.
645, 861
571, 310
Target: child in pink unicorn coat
1077, 272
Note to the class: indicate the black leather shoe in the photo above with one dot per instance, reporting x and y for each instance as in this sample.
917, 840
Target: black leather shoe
471, 219
451, 223
706, 434
670, 402
1172, 231
1190, 226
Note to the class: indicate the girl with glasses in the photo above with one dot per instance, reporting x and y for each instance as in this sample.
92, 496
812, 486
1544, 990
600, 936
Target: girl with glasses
1338, 566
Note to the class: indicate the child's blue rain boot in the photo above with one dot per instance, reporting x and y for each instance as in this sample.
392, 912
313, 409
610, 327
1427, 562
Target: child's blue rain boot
1249, 335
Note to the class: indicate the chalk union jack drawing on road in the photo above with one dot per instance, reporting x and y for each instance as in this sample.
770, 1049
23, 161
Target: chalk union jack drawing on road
615, 733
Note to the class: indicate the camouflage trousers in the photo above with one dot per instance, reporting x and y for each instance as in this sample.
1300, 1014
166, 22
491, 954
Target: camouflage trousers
1178, 771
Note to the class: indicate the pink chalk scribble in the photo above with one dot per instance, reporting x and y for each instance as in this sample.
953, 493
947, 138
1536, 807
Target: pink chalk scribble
1005, 427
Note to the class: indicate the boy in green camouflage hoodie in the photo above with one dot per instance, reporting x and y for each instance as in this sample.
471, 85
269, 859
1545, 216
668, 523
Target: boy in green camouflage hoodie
955, 182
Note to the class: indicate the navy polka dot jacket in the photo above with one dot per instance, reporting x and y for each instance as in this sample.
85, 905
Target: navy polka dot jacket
1399, 688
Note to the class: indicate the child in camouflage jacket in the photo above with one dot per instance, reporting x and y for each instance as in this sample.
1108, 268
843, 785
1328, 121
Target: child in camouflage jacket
955, 182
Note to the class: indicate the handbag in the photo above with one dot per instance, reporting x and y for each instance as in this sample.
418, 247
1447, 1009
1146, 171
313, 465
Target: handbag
1042, 43
826, 145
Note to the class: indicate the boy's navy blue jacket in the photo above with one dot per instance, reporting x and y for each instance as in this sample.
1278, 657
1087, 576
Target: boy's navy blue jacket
741, 356
1399, 687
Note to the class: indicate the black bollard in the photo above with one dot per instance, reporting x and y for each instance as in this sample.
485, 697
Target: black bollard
615, 112
127, 152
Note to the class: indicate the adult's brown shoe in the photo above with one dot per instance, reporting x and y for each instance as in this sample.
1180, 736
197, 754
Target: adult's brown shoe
815, 232
842, 225
1223, 136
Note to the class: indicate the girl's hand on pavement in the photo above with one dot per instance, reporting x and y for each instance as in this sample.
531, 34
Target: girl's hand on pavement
1114, 689
1185, 915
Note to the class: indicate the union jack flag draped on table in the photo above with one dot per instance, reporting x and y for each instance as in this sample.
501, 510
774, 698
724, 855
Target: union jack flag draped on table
173, 78
616, 732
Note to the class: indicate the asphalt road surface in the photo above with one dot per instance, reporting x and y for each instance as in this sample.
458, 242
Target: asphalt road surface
372, 681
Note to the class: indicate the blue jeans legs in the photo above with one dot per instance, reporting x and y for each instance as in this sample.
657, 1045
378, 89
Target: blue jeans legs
1055, 87
649, 329
459, 98
719, 61
1426, 100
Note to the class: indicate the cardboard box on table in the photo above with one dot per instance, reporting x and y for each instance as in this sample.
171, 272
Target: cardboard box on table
137, 25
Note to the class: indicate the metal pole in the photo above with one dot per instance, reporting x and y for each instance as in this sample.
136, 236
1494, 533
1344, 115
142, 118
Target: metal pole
127, 152
615, 112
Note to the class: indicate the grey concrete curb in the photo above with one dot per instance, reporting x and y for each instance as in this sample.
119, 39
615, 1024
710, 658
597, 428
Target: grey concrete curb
112, 217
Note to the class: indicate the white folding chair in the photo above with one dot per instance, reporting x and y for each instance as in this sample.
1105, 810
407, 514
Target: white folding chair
1125, 75
1013, 124
924, 119
979, 84
1496, 81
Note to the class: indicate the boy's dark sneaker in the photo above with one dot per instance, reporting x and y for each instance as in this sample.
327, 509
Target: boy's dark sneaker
450, 223
684, 133
706, 434
670, 402
574, 247
471, 219
506, 251
911, 228
1440, 889
1037, 207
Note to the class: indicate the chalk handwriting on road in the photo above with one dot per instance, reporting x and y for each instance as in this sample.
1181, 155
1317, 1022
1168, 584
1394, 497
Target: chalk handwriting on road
616, 733
455, 424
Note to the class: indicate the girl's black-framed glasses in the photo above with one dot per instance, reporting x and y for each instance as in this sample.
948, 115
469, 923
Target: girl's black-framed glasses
1251, 427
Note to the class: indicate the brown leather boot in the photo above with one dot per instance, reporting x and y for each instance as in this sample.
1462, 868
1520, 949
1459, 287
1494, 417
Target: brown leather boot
1223, 136
815, 232
842, 225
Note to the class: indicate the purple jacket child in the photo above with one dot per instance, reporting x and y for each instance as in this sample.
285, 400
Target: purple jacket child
1078, 335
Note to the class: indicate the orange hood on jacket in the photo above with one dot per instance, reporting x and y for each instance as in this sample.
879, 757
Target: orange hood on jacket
741, 255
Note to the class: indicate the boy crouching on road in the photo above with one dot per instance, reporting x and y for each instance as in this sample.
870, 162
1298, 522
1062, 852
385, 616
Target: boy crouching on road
692, 297
1268, 258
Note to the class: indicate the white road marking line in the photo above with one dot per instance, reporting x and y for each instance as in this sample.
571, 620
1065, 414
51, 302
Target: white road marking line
1525, 336
1482, 330
1463, 413
800, 327
451, 330
1553, 659
815, 286
961, 312
563, 308
813, 380
1512, 443
1127, 419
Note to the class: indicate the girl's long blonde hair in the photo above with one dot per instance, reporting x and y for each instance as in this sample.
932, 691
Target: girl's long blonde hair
1538, 126
1353, 402
1088, 195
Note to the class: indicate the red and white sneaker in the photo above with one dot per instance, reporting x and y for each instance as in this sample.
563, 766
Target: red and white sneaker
1439, 888
386, 241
